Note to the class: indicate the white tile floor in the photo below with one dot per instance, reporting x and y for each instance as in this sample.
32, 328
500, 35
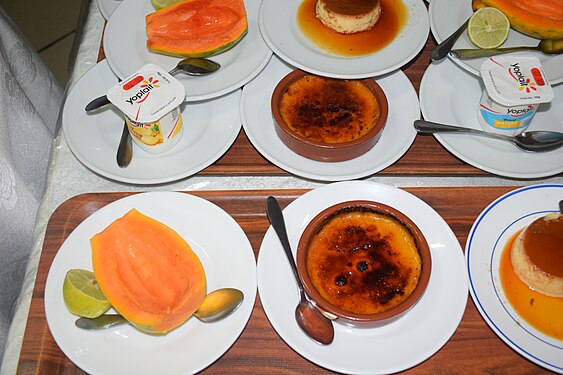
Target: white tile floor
50, 26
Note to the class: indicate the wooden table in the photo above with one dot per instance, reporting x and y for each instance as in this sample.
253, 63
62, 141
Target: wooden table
474, 347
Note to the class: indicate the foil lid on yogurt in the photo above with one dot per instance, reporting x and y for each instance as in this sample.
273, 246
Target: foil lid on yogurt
516, 80
148, 94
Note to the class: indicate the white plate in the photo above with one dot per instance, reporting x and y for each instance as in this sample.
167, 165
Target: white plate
450, 95
396, 139
487, 238
446, 16
192, 346
414, 337
278, 24
107, 7
126, 51
210, 128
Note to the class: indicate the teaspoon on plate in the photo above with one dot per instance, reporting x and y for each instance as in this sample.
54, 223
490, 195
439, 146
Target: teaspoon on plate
535, 141
317, 326
216, 305
547, 46
189, 66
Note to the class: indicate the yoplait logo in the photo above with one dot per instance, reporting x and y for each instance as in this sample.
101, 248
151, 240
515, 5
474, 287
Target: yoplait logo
525, 83
147, 85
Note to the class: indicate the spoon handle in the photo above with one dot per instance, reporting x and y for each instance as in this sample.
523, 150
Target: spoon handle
472, 53
275, 215
429, 127
442, 49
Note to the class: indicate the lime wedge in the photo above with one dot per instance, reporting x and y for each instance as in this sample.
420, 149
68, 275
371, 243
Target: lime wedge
159, 4
82, 295
488, 28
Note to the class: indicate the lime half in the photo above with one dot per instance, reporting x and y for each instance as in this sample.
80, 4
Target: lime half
82, 295
488, 28
159, 4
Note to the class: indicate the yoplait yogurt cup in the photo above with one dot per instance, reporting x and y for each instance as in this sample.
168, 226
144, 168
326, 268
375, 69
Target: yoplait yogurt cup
150, 99
514, 87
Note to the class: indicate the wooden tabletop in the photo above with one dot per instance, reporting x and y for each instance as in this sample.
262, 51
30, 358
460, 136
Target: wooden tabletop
473, 347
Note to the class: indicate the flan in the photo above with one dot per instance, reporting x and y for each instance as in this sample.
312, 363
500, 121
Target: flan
363, 261
537, 255
348, 16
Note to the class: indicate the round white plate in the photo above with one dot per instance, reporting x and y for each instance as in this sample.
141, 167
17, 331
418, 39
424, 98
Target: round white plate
408, 341
278, 24
446, 16
396, 139
210, 128
125, 47
450, 95
485, 244
107, 7
192, 346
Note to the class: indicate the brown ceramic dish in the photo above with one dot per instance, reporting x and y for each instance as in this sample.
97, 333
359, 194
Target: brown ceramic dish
347, 250
328, 119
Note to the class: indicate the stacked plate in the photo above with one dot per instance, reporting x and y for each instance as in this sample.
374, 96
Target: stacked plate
451, 89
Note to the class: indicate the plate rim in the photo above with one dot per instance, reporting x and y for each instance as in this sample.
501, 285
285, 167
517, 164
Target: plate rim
326, 56
116, 209
479, 302
100, 69
300, 171
347, 187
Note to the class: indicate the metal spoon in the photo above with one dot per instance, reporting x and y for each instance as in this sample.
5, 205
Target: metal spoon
125, 148
217, 305
547, 46
442, 49
536, 141
317, 326
189, 66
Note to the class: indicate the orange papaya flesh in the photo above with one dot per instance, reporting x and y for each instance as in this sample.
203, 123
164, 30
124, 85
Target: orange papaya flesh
148, 272
539, 19
196, 28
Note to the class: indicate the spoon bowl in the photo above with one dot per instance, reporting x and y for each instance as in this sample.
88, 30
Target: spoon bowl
216, 306
311, 321
532, 141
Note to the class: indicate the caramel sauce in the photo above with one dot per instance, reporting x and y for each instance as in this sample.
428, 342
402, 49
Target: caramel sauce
353, 7
540, 311
329, 110
543, 241
390, 23
363, 261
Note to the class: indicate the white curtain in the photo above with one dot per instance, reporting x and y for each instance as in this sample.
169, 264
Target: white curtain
30, 99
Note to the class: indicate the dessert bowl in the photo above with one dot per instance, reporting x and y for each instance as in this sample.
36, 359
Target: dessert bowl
364, 263
328, 119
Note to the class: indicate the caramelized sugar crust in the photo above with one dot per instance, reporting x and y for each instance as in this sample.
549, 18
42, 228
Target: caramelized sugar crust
363, 261
351, 7
329, 110
543, 241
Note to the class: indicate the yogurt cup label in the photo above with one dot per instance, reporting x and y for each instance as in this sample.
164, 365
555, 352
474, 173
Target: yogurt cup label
514, 87
150, 100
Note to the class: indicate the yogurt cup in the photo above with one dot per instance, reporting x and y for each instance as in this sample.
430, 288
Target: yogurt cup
150, 100
514, 87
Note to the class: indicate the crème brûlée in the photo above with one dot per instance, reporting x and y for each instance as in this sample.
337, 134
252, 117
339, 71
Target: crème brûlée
537, 255
348, 16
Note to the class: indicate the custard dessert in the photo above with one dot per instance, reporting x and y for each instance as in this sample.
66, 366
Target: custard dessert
537, 255
329, 110
363, 261
348, 16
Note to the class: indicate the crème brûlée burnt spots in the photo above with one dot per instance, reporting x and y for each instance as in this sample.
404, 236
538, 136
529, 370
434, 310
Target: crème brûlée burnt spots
351, 27
531, 273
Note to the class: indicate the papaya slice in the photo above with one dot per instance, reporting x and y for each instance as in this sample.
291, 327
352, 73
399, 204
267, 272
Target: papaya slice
539, 19
148, 272
196, 28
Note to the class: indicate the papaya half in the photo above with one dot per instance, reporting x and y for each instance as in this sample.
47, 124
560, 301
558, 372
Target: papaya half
542, 19
196, 28
148, 272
